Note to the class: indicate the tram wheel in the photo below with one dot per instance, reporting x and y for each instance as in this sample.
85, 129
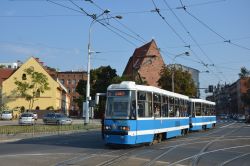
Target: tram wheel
159, 138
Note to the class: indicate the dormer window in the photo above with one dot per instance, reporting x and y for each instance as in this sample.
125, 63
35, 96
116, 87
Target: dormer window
24, 77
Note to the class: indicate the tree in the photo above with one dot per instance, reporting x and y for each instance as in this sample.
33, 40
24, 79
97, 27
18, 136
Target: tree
244, 72
183, 81
101, 78
33, 83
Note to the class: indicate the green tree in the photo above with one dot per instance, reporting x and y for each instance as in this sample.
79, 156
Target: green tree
183, 81
244, 72
100, 79
2, 66
33, 83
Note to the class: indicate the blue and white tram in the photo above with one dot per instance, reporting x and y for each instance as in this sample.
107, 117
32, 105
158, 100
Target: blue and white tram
202, 114
143, 114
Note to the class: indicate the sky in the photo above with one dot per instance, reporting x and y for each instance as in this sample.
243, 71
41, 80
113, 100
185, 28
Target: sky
216, 33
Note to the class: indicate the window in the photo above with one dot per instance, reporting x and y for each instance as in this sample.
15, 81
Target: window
38, 93
69, 81
62, 81
177, 107
157, 104
197, 109
24, 77
144, 104
164, 108
171, 107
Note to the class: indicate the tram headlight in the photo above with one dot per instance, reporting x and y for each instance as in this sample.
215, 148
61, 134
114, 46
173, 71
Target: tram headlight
124, 128
106, 127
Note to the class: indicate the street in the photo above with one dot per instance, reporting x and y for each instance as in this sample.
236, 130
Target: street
227, 144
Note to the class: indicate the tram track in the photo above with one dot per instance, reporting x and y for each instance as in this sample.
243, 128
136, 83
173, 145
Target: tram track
233, 159
209, 142
196, 159
208, 152
118, 158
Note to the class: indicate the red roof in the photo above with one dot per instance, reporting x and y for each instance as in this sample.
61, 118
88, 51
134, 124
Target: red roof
5, 74
146, 62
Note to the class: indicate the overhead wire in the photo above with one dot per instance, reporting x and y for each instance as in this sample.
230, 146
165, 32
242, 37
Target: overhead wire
197, 44
123, 25
126, 27
212, 30
157, 10
87, 14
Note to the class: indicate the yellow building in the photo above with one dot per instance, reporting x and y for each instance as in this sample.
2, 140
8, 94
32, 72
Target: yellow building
56, 97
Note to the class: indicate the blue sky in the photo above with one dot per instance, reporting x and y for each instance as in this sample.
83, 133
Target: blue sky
59, 35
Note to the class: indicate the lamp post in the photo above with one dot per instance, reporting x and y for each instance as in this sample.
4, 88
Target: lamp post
88, 98
186, 54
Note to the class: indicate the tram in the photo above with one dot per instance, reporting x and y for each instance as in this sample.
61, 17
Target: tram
202, 114
138, 114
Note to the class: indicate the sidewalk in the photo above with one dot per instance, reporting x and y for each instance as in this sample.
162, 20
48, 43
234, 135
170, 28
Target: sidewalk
16, 137
40, 121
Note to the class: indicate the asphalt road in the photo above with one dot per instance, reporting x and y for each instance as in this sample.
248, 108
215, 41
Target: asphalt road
228, 144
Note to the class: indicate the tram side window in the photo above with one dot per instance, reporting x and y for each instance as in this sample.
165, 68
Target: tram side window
189, 109
144, 104
212, 110
198, 109
202, 109
206, 109
177, 107
141, 103
183, 108
171, 107
133, 106
157, 104
164, 109
149, 111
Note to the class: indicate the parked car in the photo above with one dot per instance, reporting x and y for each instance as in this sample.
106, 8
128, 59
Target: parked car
6, 115
241, 118
56, 118
35, 115
27, 118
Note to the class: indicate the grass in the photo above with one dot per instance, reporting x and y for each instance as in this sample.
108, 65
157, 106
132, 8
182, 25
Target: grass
44, 128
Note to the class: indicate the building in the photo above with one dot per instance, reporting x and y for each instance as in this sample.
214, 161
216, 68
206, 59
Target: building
56, 97
13, 65
70, 80
5, 73
228, 98
145, 64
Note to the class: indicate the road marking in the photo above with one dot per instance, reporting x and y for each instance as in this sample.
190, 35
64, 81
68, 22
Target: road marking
235, 158
227, 125
212, 151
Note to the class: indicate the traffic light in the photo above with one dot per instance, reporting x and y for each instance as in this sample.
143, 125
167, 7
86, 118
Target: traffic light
210, 88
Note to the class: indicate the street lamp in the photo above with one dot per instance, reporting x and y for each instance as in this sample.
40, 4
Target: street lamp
88, 98
186, 54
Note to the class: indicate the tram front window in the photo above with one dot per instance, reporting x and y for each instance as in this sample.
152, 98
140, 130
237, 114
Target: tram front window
118, 107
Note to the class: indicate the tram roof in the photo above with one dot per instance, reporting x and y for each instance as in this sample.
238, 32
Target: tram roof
130, 85
202, 101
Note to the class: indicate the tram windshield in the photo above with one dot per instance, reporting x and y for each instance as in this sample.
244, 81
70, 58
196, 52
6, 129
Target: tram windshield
119, 104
